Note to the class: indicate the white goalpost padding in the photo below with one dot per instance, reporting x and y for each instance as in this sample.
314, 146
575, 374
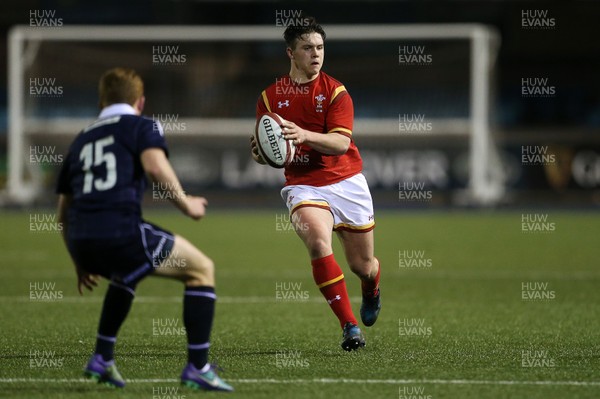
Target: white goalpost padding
486, 180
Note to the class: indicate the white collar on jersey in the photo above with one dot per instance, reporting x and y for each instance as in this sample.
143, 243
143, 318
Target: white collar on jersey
117, 109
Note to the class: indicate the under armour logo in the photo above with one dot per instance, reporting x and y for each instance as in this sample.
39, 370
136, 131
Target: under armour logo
282, 104
337, 298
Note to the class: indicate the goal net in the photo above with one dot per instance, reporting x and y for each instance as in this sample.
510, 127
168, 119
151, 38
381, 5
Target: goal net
413, 86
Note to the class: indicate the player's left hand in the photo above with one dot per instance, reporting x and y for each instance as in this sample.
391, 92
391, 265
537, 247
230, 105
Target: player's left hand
195, 207
85, 279
293, 132
254, 151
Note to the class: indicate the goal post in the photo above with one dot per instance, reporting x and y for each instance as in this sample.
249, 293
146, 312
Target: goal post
486, 180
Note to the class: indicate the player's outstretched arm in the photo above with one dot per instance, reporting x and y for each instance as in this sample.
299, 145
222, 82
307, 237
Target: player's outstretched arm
330, 144
84, 279
159, 169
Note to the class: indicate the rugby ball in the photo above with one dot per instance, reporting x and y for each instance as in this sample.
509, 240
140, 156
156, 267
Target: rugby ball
275, 150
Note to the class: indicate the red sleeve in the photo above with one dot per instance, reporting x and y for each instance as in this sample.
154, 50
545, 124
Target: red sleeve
340, 116
261, 106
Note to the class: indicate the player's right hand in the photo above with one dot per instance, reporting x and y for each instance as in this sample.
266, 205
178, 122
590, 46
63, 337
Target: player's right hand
195, 207
85, 279
255, 155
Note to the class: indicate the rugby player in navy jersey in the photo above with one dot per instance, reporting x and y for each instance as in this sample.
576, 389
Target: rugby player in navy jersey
100, 189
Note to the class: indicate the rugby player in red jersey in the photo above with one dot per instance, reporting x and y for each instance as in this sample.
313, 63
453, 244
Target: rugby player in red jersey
325, 190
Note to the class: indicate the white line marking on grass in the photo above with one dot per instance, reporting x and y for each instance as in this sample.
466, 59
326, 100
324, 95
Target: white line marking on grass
411, 381
168, 299
316, 381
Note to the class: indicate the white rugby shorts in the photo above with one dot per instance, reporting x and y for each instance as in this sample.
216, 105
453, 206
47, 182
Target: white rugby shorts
349, 201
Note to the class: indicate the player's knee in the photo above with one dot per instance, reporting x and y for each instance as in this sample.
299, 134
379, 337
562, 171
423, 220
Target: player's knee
360, 271
208, 267
362, 267
319, 248
200, 272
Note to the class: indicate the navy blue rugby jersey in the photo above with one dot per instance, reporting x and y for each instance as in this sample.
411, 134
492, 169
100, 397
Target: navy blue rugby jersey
104, 174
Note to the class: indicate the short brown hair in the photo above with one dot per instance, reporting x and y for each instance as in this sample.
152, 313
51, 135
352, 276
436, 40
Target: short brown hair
120, 85
295, 32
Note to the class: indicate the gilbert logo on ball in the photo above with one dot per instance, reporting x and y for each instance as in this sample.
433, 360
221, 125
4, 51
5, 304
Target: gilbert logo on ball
272, 146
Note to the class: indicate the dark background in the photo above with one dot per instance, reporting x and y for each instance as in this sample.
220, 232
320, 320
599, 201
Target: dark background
569, 55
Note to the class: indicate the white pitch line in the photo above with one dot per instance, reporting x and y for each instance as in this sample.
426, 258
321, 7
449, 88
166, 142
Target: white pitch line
171, 299
319, 381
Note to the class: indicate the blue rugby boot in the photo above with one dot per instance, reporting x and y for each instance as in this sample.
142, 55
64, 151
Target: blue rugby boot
207, 380
104, 372
353, 337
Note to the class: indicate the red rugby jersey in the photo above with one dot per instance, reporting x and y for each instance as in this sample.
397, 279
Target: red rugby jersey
323, 106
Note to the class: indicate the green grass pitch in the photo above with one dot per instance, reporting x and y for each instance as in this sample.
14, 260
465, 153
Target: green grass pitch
493, 312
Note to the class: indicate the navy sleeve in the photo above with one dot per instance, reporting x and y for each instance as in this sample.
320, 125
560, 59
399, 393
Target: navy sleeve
151, 135
63, 186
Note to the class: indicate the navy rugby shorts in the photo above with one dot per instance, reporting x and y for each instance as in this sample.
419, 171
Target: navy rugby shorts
126, 260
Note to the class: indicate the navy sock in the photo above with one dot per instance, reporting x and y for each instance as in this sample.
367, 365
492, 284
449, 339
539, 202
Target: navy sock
198, 313
117, 303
